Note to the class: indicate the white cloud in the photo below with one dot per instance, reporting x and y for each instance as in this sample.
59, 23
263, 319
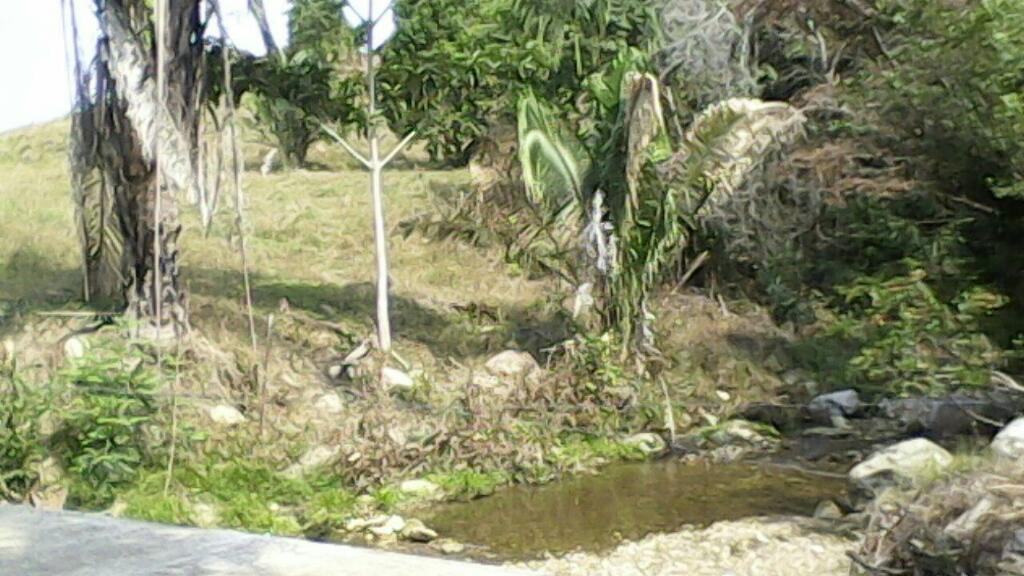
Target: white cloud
33, 66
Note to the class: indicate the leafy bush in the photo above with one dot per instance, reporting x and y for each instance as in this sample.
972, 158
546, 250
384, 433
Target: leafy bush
317, 78
956, 83
454, 67
909, 341
103, 437
21, 439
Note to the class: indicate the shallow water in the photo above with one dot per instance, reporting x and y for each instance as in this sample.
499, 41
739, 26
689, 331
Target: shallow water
626, 502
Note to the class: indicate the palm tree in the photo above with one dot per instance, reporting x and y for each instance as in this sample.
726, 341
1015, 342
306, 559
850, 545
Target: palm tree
133, 152
609, 213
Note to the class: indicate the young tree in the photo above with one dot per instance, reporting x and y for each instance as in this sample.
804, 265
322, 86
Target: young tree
122, 132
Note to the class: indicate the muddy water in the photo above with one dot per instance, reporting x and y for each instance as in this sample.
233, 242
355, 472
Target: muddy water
626, 502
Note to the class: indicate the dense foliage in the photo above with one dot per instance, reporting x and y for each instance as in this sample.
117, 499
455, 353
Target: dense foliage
454, 67
316, 79
955, 83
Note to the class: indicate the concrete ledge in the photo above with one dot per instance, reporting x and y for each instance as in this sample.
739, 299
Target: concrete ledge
38, 543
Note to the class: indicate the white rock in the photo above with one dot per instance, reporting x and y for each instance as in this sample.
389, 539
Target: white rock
416, 531
419, 487
329, 403
225, 415
450, 547
393, 525
395, 378
1009, 443
74, 348
358, 524
511, 363
648, 443
899, 463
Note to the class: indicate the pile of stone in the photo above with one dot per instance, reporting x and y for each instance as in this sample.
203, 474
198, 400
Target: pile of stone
927, 519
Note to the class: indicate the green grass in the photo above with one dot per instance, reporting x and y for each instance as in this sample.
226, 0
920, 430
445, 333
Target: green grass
310, 241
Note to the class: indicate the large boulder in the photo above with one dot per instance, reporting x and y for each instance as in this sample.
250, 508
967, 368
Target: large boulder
953, 415
1009, 443
899, 464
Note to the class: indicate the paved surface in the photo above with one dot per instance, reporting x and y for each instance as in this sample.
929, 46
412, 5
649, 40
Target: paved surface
36, 543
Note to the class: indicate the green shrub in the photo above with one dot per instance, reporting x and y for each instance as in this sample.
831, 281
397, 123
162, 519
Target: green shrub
102, 440
454, 66
910, 341
22, 409
956, 84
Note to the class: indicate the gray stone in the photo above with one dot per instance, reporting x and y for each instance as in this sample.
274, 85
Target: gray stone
828, 510
833, 408
900, 463
511, 363
417, 531
950, 416
225, 415
1009, 443
648, 443
393, 378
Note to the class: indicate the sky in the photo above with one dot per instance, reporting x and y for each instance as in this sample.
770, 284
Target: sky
35, 83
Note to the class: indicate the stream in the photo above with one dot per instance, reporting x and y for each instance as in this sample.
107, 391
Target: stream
627, 502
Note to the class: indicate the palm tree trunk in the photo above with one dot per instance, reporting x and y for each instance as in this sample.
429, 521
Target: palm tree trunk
131, 129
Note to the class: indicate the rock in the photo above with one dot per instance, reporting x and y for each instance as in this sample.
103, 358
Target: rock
950, 416
360, 524
393, 525
899, 464
419, 487
648, 443
833, 408
1009, 442
828, 510
416, 531
739, 432
450, 547
511, 363
226, 415
329, 403
393, 378
336, 371
313, 459
74, 348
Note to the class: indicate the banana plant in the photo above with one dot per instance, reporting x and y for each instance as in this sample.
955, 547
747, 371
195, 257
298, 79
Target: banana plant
610, 206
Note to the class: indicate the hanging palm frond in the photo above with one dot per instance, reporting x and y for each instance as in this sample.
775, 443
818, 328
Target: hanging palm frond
555, 164
93, 198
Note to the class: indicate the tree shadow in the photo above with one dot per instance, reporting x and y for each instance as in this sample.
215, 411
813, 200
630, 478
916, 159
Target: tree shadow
30, 283
457, 332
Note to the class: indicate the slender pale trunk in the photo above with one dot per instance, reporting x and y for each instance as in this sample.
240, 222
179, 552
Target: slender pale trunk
377, 192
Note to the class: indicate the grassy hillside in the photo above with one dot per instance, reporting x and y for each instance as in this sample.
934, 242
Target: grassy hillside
310, 241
